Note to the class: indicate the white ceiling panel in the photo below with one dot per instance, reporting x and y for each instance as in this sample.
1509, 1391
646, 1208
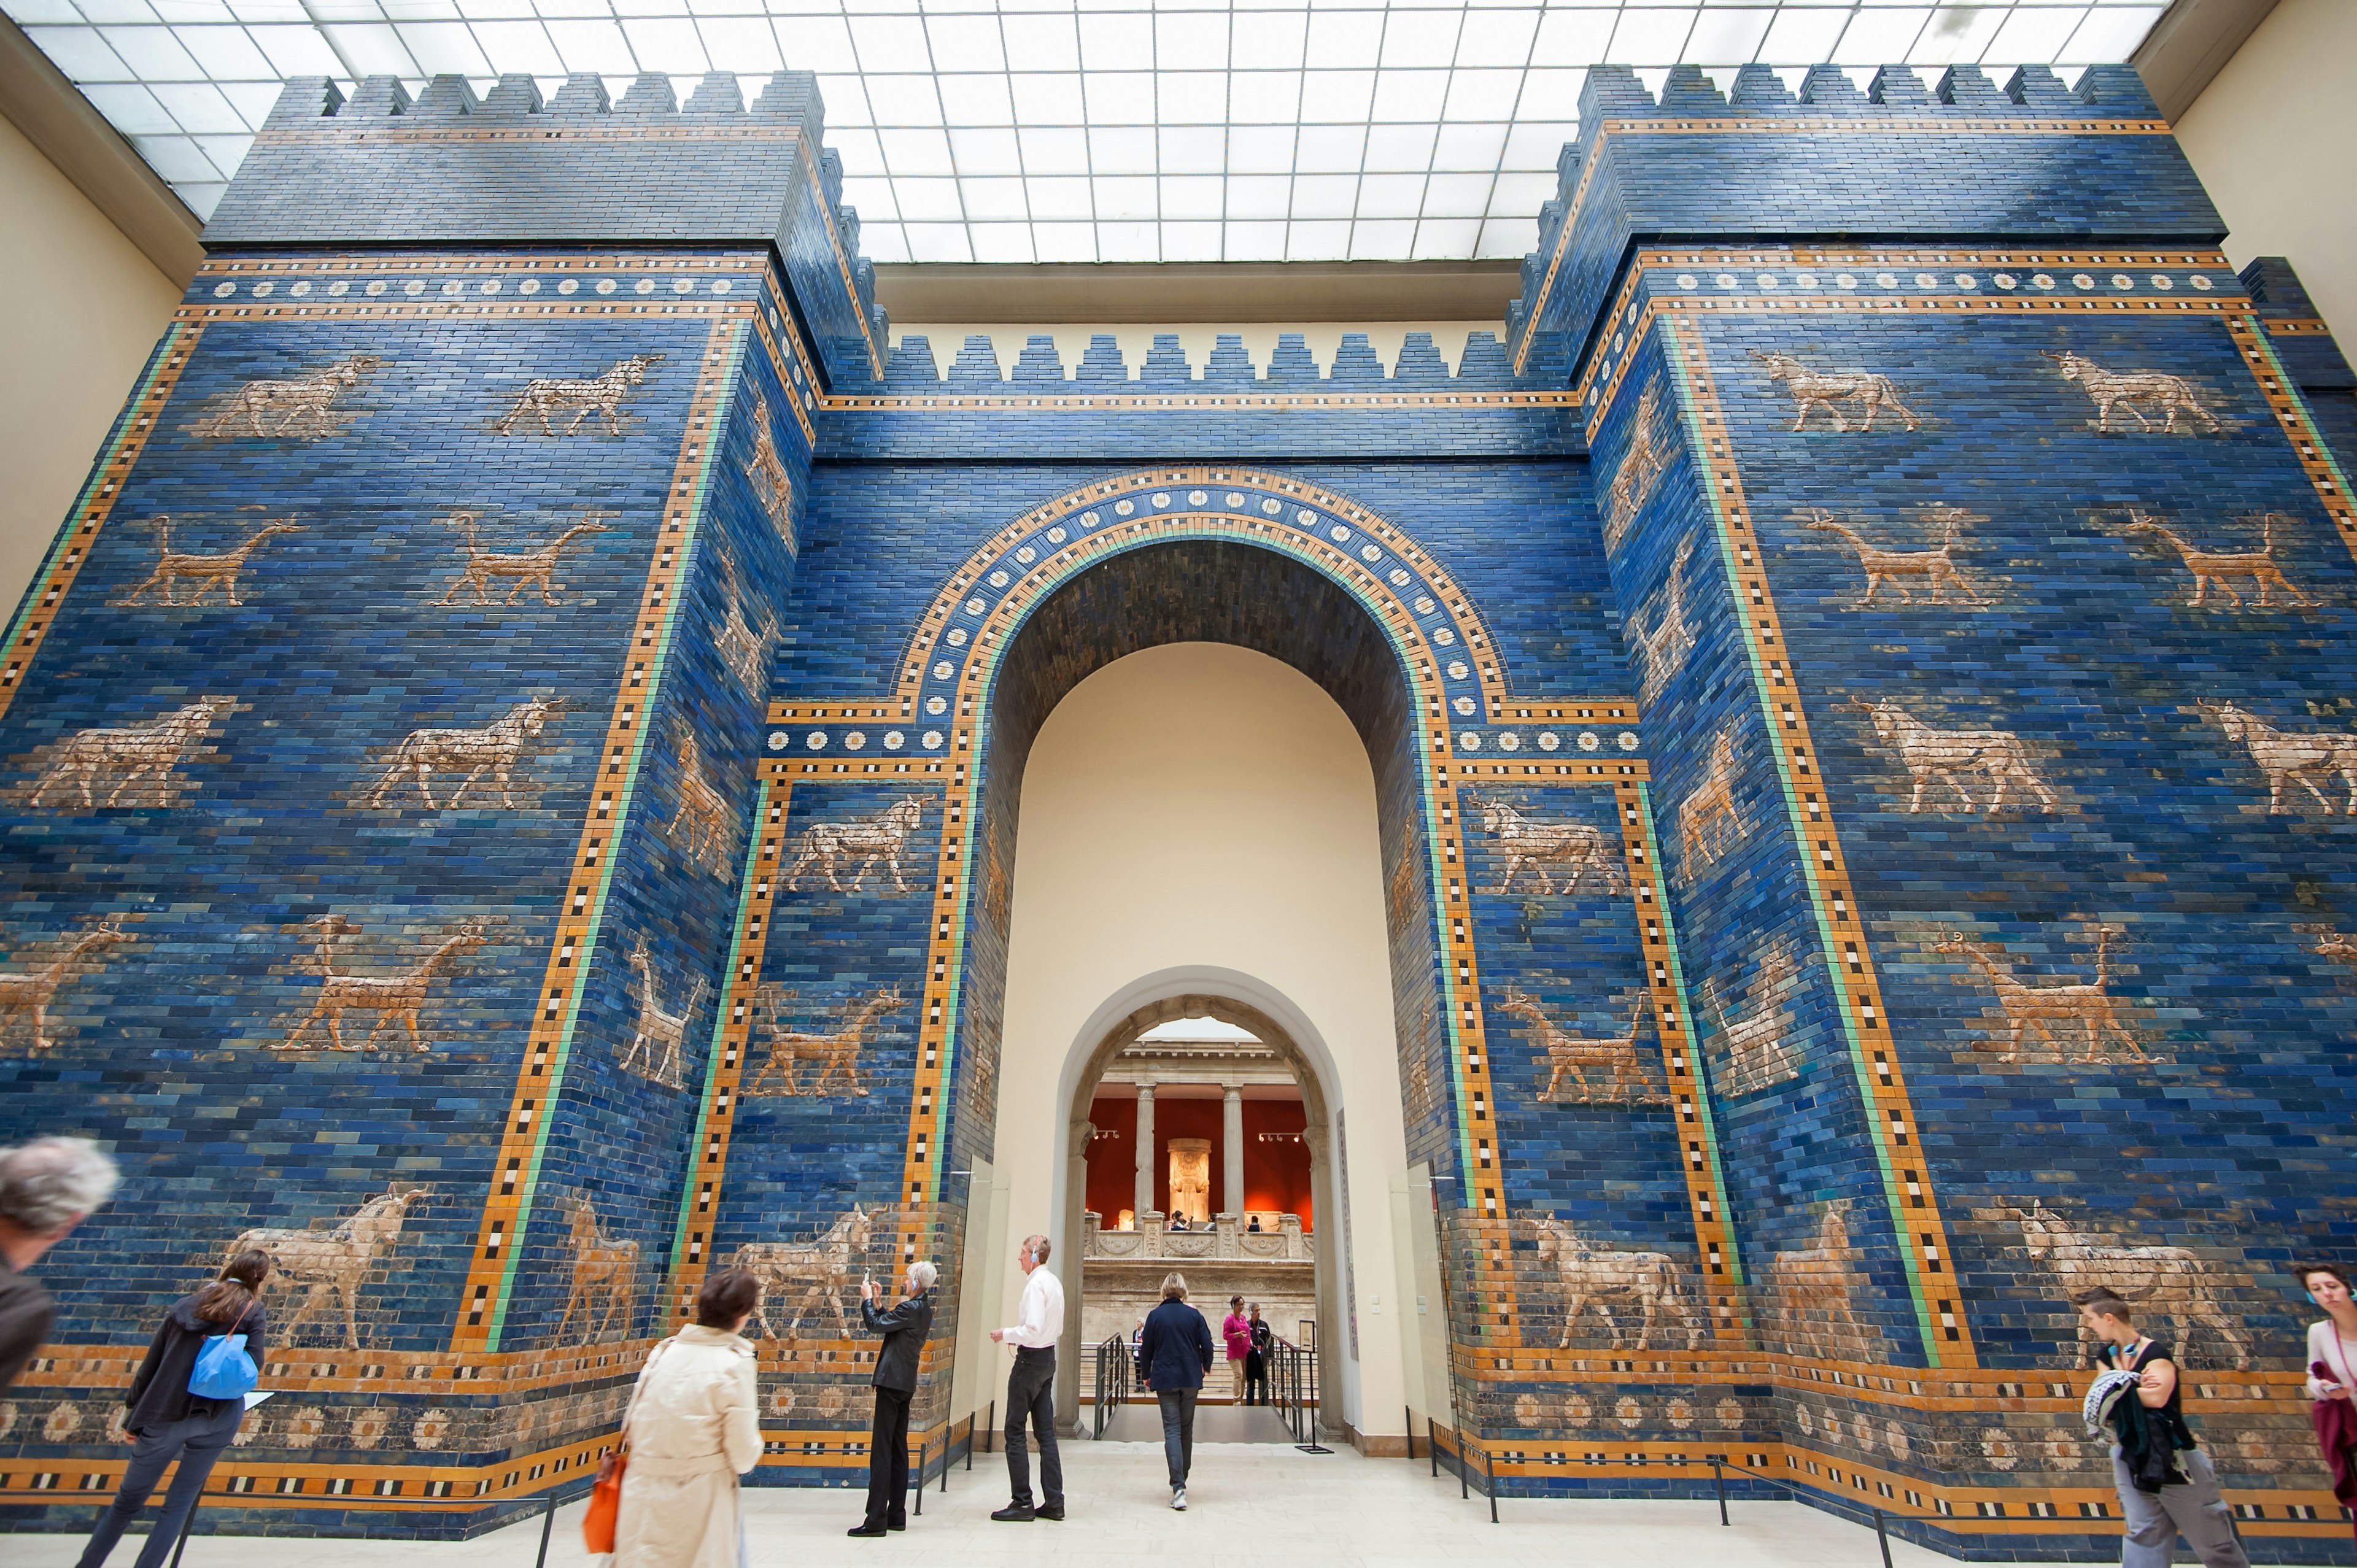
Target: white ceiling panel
1074, 130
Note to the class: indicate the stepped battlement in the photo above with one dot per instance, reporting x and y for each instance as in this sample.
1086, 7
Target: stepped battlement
978, 365
380, 167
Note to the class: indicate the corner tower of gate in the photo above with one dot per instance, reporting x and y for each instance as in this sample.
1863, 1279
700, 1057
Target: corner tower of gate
1924, 425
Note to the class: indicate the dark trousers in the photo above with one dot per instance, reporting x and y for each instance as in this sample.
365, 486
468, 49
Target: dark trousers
196, 1441
1177, 1431
888, 1459
1031, 1392
1255, 1378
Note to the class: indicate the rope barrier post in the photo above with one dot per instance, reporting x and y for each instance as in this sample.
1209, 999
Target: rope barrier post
187, 1525
1490, 1470
1718, 1475
948, 1437
1409, 1412
1431, 1447
924, 1448
1463, 1471
1882, 1538
970, 1435
547, 1523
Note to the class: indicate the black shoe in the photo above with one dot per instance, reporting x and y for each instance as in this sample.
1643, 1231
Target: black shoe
866, 1533
1016, 1513
896, 1524
1053, 1511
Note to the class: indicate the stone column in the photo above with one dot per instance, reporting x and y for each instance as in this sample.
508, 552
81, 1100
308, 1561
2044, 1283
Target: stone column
1147, 1153
1232, 1144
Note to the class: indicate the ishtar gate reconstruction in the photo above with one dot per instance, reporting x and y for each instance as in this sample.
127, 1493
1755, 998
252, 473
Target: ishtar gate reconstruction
1802, 810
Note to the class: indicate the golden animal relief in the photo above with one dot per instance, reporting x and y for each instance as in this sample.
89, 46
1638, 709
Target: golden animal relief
396, 998
126, 754
798, 1276
521, 570
882, 839
1534, 845
1956, 758
26, 993
496, 748
1670, 638
1934, 570
2289, 756
773, 487
2172, 1282
604, 1275
1621, 1078
1708, 822
1811, 1288
1866, 393
701, 822
1753, 1050
202, 573
331, 1266
833, 1056
294, 408
2160, 395
2088, 1006
658, 1042
742, 646
1640, 467
601, 396
1589, 1276
2256, 570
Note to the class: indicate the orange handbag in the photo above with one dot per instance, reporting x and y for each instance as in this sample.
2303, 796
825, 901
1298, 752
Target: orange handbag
606, 1493
605, 1504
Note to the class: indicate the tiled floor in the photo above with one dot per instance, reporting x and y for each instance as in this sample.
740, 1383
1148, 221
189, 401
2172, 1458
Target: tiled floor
1248, 1504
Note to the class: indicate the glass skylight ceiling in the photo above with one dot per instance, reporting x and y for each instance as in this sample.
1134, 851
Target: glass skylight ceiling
1084, 131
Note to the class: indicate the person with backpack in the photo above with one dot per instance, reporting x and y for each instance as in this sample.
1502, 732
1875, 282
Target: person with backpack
186, 1402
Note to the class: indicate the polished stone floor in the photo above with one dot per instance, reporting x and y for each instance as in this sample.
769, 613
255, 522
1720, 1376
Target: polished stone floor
1250, 1504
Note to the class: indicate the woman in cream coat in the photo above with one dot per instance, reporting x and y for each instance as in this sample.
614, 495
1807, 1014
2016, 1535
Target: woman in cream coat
694, 1427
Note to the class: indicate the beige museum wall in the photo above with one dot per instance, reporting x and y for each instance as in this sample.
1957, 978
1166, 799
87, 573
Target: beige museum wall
80, 309
2273, 137
1203, 806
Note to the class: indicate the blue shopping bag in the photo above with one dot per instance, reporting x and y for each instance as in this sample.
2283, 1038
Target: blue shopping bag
223, 1370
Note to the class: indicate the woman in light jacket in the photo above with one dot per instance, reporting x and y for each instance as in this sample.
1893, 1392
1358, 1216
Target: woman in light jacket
694, 1427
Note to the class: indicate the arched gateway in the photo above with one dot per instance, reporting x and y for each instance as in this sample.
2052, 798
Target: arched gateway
511, 772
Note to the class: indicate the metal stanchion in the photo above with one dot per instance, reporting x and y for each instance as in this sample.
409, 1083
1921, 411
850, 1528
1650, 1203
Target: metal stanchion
1718, 1475
547, 1523
970, 1436
1464, 1477
1410, 1429
1490, 1473
949, 1440
924, 1448
1882, 1538
1431, 1447
990, 1432
186, 1525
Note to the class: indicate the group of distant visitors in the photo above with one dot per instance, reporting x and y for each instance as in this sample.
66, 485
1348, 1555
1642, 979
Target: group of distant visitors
691, 1426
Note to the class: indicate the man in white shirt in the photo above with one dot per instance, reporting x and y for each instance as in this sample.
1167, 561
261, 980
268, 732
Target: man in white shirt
1031, 1386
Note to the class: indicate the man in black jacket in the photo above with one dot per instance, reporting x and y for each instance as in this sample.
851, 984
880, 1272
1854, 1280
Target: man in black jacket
904, 1328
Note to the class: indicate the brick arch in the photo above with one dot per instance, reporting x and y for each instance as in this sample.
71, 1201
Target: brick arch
1041, 549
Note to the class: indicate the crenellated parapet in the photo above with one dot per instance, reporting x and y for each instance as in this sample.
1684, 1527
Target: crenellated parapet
1483, 366
2033, 161
510, 167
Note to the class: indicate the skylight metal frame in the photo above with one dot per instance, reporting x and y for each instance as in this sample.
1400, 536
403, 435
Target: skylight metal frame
1084, 131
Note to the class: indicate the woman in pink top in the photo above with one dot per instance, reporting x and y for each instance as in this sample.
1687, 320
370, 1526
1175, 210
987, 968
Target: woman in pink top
1236, 1330
2332, 1356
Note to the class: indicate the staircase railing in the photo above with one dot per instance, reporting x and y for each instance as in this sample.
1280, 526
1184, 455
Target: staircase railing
1116, 1375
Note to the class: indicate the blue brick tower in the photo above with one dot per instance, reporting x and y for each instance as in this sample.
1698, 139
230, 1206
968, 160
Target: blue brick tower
514, 765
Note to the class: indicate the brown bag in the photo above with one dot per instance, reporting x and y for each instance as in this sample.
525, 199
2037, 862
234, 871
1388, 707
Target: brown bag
598, 1524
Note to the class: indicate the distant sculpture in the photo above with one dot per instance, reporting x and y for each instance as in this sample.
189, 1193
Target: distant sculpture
307, 400
2213, 567
334, 1264
2174, 1280
604, 1270
27, 993
1864, 390
2168, 395
528, 569
205, 571
882, 837
837, 1055
1597, 1276
495, 748
2040, 1008
1534, 843
128, 753
601, 395
795, 1275
393, 998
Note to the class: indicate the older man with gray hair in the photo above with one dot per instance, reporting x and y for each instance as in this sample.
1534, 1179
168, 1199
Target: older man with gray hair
904, 1327
47, 1187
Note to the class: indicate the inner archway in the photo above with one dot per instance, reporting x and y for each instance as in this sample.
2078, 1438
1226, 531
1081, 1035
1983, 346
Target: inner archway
1199, 836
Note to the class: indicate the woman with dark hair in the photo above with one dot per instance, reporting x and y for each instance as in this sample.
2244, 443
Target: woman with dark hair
2332, 1360
167, 1422
694, 1427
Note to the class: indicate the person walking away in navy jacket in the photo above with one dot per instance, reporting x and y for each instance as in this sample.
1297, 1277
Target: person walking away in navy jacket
1178, 1354
167, 1422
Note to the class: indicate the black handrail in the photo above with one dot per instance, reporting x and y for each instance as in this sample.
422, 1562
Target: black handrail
1116, 1375
1292, 1392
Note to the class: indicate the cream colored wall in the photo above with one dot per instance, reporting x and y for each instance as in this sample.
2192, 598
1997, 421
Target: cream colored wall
2273, 137
1146, 848
80, 309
